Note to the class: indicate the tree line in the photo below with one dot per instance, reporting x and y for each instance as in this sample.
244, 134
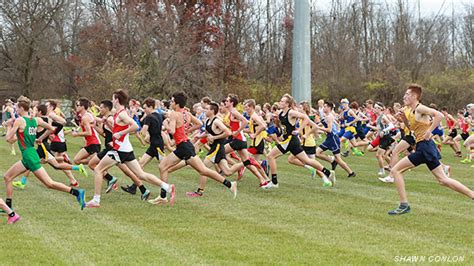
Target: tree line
360, 49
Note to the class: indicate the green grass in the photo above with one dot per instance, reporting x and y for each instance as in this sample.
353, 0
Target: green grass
299, 223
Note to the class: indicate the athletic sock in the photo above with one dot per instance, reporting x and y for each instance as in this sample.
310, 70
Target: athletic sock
12, 214
142, 189
74, 192
227, 183
165, 186
9, 203
108, 177
404, 204
274, 179
96, 198
307, 167
75, 168
326, 172
163, 193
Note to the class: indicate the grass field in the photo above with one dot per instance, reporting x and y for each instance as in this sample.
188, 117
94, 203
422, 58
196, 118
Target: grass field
298, 223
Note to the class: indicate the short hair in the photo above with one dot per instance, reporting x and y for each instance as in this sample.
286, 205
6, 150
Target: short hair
354, 105
306, 107
121, 96
250, 102
369, 101
42, 108
53, 104
379, 105
444, 109
107, 104
289, 99
206, 100
166, 104
24, 103
214, 107
150, 102
234, 99
180, 99
84, 102
330, 105
434, 106
416, 89
275, 107
267, 106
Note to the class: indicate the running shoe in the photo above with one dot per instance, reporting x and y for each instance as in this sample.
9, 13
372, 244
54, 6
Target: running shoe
75, 184
268, 185
18, 184
467, 161
387, 179
358, 153
145, 195
194, 194
264, 184
14, 219
158, 200
400, 210
233, 189
381, 172
327, 184
345, 154
83, 170
111, 184
130, 189
353, 174
81, 198
92, 204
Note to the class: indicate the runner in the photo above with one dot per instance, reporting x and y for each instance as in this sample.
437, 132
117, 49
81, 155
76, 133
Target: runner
87, 123
122, 152
422, 120
185, 150
332, 142
25, 128
291, 142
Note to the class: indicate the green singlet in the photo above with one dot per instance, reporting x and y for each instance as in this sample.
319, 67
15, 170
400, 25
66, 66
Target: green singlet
26, 143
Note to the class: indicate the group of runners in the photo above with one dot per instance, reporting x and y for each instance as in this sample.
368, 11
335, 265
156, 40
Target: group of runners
230, 141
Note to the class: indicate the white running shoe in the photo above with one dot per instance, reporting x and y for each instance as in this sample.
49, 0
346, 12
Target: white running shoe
92, 204
387, 179
158, 200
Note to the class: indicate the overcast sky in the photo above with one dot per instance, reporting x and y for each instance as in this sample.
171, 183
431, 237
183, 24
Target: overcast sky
427, 7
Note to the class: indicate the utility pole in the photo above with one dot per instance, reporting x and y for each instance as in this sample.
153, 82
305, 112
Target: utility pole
301, 64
